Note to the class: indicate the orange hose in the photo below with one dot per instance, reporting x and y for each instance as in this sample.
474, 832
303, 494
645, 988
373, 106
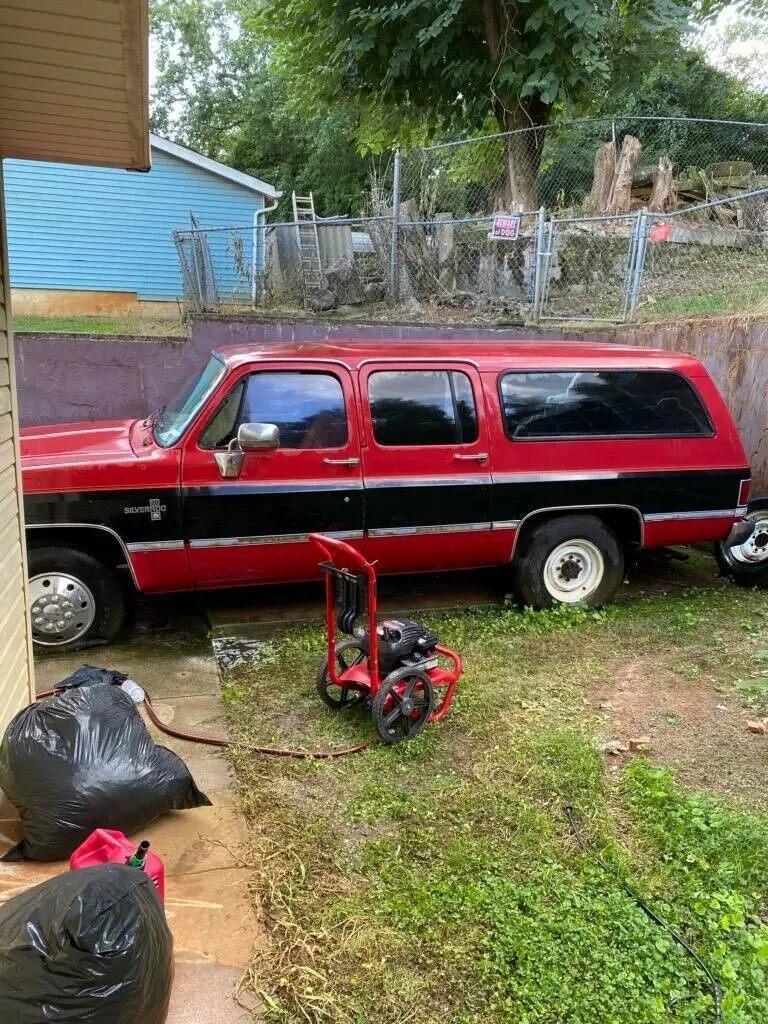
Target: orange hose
218, 741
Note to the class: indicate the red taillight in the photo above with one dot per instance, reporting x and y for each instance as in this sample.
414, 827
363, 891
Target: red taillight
744, 488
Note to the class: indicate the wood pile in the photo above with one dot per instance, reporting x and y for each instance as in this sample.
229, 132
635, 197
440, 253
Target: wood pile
622, 185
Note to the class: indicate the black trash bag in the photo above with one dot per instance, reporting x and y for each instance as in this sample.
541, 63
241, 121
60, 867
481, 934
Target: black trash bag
89, 946
85, 760
87, 675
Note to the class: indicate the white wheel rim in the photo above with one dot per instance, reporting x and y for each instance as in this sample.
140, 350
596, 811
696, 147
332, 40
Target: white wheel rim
573, 571
62, 608
754, 550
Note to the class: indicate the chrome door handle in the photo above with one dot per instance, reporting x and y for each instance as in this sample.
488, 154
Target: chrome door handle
341, 462
480, 457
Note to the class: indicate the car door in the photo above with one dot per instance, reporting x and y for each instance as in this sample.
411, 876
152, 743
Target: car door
426, 466
255, 528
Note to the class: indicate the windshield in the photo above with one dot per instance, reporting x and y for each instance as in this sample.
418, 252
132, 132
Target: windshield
170, 422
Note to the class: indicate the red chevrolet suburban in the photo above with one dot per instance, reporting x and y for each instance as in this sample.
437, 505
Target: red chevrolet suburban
556, 458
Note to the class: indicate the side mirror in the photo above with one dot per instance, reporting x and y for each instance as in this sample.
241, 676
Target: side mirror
258, 436
251, 437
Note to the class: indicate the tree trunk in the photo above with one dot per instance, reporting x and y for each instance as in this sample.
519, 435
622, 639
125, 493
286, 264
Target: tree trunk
605, 166
522, 154
620, 198
522, 151
664, 196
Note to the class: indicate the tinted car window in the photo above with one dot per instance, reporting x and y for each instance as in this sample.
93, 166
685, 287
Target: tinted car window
613, 403
308, 409
422, 407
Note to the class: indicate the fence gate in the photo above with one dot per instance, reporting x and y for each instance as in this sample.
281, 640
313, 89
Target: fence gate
589, 267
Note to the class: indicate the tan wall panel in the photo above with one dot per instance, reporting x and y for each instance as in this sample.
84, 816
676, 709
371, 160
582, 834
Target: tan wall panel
16, 673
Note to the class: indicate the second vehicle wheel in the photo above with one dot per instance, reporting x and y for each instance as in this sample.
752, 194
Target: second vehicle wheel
571, 560
747, 563
74, 600
403, 704
348, 653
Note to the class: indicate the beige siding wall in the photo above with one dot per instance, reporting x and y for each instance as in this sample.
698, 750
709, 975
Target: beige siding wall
16, 688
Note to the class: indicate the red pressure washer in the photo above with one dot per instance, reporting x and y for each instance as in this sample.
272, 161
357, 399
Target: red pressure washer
399, 673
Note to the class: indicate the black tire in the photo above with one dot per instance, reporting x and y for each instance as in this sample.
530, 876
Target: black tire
108, 607
744, 573
339, 698
582, 536
393, 724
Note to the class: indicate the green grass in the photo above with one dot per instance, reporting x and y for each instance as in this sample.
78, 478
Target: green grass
437, 881
126, 325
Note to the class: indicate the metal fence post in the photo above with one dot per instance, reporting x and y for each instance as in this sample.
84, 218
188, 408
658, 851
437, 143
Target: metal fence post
394, 266
643, 227
538, 265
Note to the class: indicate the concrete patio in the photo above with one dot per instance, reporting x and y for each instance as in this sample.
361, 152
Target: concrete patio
214, 930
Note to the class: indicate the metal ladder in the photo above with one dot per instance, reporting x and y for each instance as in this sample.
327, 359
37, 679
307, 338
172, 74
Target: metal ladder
309, 245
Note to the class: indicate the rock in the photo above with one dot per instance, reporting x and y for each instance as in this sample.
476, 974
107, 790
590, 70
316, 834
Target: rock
322, 300
606, 705
615, 747
344, 281
640, 745
759, 728
375, 291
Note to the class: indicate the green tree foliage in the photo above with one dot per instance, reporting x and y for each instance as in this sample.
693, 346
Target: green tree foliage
218, 91
447, 60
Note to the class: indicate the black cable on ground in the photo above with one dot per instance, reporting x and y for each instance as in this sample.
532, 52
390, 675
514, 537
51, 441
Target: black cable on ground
714, 984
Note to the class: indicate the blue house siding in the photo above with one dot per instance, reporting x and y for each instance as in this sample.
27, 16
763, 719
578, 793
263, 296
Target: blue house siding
100, 229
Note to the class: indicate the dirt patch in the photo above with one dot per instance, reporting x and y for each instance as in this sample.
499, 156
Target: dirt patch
691, 725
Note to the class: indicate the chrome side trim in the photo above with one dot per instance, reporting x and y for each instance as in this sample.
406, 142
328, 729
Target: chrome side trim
271, 538
506, 524
539, 478
89, 526
422, 531
156, 545
578, 508
722, 513
427, 481
296, 487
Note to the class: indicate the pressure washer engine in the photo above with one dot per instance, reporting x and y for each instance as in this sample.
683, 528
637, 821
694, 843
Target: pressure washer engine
399, 675
404, 642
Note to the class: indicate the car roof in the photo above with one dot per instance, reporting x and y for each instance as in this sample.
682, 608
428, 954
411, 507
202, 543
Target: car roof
495, 354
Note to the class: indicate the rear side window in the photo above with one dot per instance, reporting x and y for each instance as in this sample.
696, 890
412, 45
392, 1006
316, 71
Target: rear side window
422, 407
604, 403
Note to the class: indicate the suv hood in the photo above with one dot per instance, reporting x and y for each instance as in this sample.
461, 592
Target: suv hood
89, 442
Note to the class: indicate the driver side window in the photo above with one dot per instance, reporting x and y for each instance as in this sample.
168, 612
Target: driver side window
307, 408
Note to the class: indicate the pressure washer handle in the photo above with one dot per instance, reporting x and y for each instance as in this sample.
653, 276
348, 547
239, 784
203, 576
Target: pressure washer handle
336, 550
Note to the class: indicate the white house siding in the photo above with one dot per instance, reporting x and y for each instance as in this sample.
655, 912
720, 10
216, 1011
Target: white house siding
16, 687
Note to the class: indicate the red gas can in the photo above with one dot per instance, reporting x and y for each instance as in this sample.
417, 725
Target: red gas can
107, 846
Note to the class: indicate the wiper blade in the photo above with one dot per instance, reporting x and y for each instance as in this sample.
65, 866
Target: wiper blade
152, 420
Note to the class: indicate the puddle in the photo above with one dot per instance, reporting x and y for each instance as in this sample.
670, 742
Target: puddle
233, 651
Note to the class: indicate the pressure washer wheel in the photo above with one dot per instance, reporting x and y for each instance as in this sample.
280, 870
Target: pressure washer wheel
348, 653
403, 704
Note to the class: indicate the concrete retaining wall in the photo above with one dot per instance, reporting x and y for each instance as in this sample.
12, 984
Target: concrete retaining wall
63, 379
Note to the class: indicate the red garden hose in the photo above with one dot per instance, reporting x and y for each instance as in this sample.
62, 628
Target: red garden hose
218, 741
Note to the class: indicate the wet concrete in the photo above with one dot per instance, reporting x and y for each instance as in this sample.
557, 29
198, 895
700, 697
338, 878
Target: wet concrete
214, 930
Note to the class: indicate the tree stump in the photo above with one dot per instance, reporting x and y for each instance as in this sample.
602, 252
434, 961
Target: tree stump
620, 198
664, 194
605, 165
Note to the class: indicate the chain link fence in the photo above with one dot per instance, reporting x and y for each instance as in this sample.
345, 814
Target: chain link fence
553, 165
226, 269
611, 219
706, 260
